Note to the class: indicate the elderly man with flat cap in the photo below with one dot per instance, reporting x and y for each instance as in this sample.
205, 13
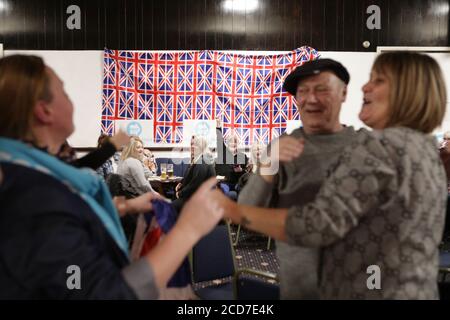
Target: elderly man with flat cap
319, 88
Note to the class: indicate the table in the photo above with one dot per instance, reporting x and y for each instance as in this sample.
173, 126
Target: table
162, 186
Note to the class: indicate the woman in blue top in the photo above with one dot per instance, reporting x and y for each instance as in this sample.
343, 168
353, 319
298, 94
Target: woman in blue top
56, 218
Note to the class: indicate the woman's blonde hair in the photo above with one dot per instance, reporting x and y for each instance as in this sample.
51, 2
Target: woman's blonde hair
23, 82
418, 95
130, 150
202, 144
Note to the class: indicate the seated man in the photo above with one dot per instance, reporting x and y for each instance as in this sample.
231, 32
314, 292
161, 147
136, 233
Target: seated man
230, 163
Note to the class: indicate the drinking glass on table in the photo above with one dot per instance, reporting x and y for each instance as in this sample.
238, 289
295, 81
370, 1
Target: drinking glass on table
163, 171
170, 170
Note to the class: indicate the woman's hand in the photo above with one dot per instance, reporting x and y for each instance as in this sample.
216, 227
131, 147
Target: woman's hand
152, 165
120, 139
237, 168
137, 205
177, 190
229, 207
121, 205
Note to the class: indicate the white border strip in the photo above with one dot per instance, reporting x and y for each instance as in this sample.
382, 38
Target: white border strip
421, 49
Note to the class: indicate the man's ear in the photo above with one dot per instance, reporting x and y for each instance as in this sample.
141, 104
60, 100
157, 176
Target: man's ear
43, 113
344, 93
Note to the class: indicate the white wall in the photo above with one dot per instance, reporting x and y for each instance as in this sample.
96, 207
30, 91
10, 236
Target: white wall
444, 61
82, 73
358, 65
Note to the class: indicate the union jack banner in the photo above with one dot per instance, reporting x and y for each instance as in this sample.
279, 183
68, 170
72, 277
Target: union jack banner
244, 91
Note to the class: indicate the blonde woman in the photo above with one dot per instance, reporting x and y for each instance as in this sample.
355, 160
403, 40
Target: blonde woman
200, 170
131, 166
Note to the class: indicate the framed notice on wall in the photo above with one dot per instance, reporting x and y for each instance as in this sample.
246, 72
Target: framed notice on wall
141, 128
199, 128
144, 129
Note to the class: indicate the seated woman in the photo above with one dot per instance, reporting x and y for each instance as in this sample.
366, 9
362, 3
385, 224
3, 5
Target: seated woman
107, 148
131, 166
200, 170
379, 215
106, 168
150, 166
57, 220
230, 162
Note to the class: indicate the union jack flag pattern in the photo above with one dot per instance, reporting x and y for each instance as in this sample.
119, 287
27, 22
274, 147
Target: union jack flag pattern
245, 91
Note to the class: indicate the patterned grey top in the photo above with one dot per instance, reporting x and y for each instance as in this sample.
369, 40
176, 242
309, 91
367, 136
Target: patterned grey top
383, 204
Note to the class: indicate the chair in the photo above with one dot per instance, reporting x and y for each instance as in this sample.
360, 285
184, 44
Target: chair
120, 186
444, 258
269, 239
444, 264
444, 290
444, 271
213, 258
252, 288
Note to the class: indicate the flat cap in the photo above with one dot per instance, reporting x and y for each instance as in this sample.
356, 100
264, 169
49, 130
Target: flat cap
312, 68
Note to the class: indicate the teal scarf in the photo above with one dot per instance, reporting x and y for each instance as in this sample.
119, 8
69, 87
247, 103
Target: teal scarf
84, 182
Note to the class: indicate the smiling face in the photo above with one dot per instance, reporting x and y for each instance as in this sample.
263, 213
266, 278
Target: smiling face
139, 149
232, 143
195, 147
374, 112
319, 98
447, 136
199, 146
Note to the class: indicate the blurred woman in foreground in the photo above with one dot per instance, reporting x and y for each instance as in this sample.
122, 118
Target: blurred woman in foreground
56, 219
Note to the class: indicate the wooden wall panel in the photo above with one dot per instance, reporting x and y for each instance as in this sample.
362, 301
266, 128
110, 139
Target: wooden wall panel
338, 25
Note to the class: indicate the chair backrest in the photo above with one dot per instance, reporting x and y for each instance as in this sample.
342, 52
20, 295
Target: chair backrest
120, 186
444, 260
212, 256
